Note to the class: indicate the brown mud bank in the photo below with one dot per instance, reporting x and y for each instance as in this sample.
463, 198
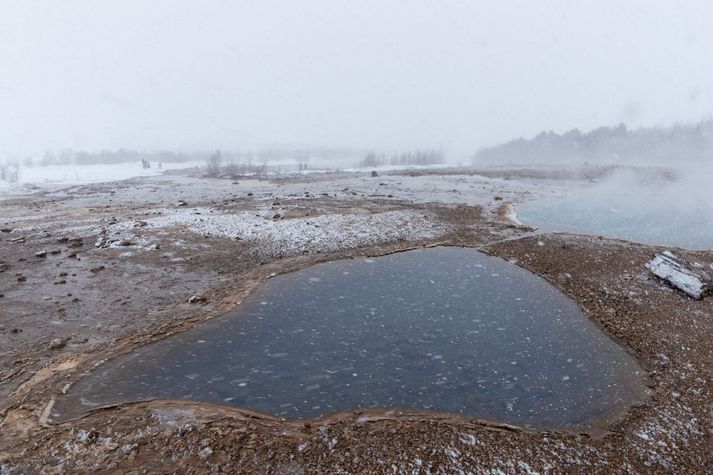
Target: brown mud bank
667, 332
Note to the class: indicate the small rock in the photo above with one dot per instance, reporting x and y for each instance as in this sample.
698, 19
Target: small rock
94, 270
5, 230
57, 343
75, 242
41, 254
197, 299
18, 240
374, 174
182, 203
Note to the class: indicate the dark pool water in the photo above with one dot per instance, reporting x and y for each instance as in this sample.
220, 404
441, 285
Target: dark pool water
447, 329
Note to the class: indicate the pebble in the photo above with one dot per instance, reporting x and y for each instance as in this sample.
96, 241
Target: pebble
57, 343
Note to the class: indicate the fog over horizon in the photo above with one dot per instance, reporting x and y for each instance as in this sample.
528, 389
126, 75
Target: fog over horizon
454, 75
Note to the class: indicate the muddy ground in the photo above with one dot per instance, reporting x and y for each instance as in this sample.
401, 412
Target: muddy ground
90, 272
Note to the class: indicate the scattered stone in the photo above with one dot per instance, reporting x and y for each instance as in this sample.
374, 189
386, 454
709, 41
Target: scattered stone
41, 254
198, 299
101, 238
21, 278
690, 277
94, 270
277, 216
57, 343
62, 239
75, 242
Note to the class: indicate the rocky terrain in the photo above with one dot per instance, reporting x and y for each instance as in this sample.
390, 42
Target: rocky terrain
92, 271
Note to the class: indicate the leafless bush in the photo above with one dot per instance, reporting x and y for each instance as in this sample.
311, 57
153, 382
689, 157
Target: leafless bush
217, 166
213, 164
9, 173
371, 160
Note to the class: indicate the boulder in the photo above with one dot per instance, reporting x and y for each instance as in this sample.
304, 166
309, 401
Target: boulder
690, 277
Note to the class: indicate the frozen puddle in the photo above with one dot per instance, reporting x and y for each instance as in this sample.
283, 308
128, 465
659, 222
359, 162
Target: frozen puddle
446, 329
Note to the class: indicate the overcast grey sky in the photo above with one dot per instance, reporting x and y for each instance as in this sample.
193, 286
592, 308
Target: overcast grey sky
385, 74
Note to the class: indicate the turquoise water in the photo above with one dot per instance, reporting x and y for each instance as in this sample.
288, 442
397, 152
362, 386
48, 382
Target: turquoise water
658, 219
446, 329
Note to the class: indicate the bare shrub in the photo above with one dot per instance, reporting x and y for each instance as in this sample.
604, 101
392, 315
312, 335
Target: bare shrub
213, 164
9, 173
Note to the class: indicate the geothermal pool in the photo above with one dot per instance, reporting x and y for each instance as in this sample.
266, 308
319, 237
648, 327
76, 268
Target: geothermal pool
653, 218
444, 329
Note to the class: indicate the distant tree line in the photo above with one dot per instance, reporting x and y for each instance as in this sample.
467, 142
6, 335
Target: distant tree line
415, 157
105, 157
607, 145
122, 155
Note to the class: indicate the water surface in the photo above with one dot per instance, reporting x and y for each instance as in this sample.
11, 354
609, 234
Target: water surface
447, 329
658, 219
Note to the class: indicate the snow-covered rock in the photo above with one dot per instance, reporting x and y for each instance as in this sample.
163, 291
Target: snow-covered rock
691, 278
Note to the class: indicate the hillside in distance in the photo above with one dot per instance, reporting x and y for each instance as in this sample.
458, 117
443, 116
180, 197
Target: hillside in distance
689, 143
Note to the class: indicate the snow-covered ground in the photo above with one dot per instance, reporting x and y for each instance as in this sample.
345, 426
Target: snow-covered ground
85, 174
327, 232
